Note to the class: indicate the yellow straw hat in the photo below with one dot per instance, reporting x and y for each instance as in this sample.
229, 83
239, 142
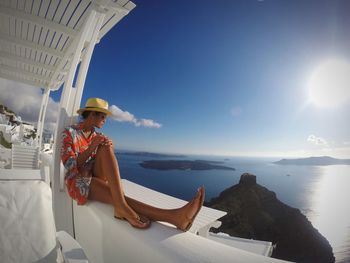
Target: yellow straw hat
95, 104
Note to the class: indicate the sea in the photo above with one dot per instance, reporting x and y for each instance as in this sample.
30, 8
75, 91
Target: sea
321, 192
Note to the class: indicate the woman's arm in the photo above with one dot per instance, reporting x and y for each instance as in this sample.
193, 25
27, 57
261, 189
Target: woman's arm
99, 139
68, 154
83, 156
70, 159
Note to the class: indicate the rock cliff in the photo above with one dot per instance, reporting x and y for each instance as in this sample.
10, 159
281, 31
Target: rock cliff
255, 212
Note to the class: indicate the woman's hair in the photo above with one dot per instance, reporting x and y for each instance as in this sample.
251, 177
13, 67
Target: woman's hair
85, 114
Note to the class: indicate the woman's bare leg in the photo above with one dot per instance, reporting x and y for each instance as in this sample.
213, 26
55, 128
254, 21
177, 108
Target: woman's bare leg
106, 169
180, 217
102, 191
99, 191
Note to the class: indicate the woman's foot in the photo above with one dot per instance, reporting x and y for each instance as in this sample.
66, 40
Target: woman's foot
135, 220
189, 212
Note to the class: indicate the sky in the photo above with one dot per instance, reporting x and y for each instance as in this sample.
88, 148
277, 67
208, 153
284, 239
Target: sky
233, 78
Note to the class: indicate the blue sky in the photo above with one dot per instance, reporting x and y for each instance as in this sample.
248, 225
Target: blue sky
228, 77
224, 77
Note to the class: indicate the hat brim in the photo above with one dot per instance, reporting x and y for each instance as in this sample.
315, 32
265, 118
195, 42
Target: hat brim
80, 111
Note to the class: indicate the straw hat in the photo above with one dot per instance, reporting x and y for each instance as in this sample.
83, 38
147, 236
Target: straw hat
95, 104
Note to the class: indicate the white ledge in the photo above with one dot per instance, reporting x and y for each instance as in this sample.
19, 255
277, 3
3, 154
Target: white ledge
106, 239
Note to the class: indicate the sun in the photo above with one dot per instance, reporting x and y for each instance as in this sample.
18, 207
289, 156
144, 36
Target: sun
329, 84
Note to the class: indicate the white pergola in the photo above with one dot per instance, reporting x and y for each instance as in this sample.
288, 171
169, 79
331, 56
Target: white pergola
43, 41
49, 44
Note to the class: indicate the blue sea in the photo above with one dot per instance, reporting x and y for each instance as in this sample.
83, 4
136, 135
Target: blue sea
320, 192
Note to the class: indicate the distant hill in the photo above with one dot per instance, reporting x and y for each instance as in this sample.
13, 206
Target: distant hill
254, 212
322, 161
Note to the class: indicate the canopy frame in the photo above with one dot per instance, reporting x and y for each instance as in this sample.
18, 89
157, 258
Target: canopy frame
49, 44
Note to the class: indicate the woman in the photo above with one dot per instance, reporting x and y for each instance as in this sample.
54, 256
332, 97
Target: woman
93, 173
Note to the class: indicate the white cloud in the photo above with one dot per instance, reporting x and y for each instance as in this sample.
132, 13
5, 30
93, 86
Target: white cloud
121, 116
236, 111
317, 140
148, 123
25, 101
125, 116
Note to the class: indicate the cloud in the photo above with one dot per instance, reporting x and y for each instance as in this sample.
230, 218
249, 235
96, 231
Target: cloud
317, 140
125, 116
25, 101
148, 123
121, 116
236, 111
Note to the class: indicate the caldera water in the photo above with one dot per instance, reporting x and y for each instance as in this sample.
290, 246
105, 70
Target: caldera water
320, 192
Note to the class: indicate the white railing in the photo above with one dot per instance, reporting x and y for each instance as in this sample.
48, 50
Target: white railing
25, 157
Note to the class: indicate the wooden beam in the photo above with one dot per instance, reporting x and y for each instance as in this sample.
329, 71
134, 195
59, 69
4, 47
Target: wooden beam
25, 73
38, 21
25, 81
115, 5
35, 46
75, 48
115, 12
27, 61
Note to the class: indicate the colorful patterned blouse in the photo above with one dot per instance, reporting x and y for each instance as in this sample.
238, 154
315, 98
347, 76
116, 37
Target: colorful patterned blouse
77, 179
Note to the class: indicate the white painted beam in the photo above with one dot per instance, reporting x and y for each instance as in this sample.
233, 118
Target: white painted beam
85, 62
115, 6
38, 21
25, 81
35, 46
68, 55
42, 114
61, 202
126, 9
111, 23
25, 73
27, 61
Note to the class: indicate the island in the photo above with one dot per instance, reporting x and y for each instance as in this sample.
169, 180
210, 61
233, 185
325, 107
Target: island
216, 162
316, 161
254, 212
183, 165
150, 154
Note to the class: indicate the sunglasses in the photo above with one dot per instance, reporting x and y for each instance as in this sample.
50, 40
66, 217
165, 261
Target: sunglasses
101, 115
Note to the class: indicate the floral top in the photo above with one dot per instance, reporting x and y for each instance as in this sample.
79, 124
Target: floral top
77, 179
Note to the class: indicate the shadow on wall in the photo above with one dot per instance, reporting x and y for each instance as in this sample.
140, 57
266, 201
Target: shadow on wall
3, 141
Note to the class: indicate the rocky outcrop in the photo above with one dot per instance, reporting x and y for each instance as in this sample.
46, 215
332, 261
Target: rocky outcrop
255, 212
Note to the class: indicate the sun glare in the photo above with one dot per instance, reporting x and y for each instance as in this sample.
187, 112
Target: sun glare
329, 84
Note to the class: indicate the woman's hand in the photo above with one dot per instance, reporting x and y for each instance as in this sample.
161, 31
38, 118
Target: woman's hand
108, 142
98, 140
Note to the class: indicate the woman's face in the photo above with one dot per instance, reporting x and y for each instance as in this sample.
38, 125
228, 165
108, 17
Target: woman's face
99, 119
